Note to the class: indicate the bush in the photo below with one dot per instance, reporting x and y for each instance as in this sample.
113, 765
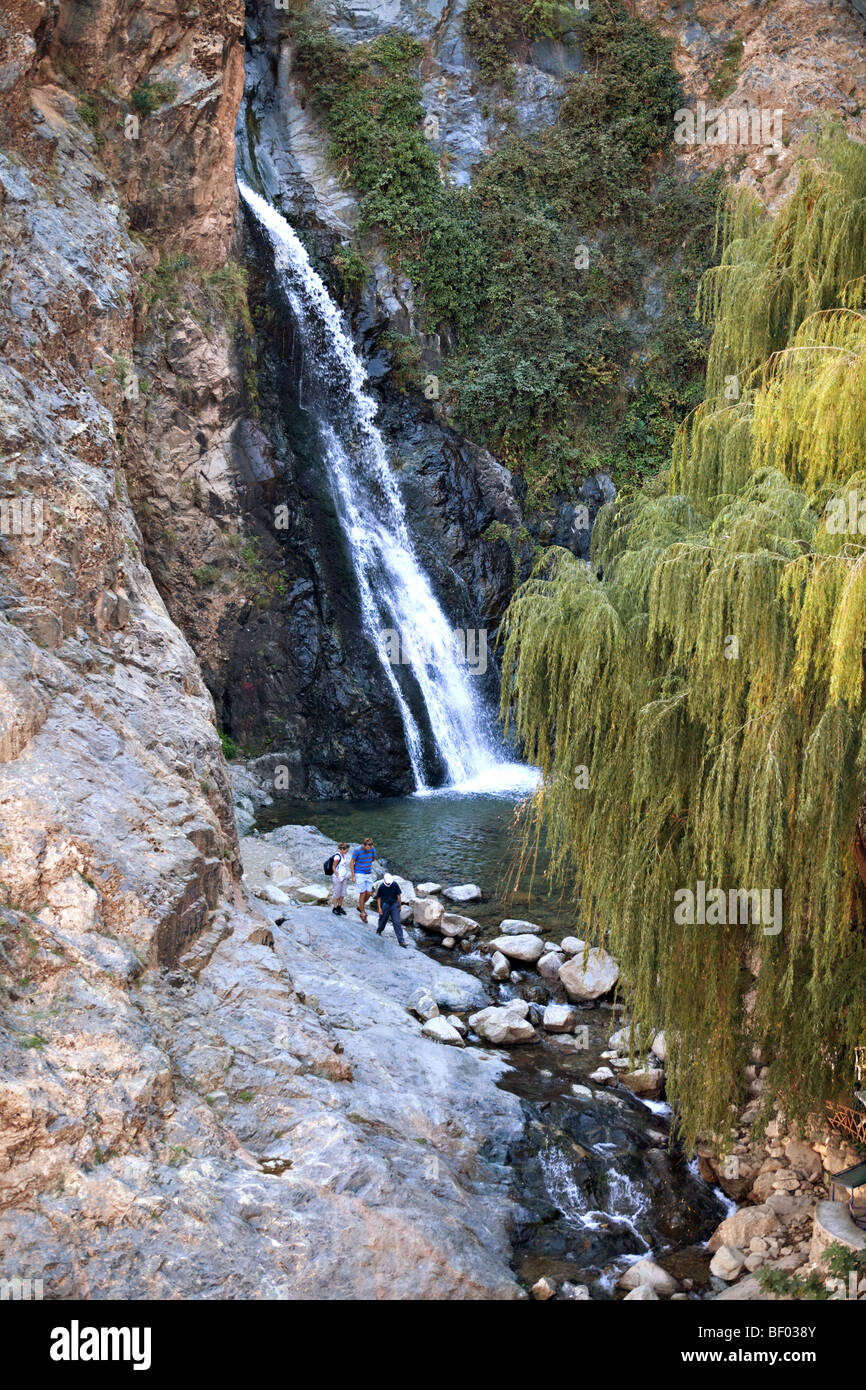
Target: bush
538, 362
151, 95
229, 747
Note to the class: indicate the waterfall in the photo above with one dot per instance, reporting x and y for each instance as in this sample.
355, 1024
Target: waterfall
399, 611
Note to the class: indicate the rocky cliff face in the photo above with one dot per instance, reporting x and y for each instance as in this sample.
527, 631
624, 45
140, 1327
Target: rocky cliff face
156, 1052
154, 1057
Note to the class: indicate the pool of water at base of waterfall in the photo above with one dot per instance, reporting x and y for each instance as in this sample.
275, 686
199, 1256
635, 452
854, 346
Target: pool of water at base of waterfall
596, 1184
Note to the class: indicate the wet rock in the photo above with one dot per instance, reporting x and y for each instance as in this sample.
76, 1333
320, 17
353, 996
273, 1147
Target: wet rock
574, 1291
457, 1022
603, 1076
425, 890
644, 1293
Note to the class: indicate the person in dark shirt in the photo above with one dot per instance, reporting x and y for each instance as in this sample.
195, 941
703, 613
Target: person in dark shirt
388, 904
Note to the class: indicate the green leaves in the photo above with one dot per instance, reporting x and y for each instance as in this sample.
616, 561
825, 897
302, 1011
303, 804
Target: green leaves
713, 680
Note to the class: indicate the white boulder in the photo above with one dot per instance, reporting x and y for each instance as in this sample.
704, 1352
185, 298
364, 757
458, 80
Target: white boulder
571, 945
589, 975
648, 1273
515, 926
440, 1030
559, 1018
426, 889
454, 925
269, 893
727, 1263
424, 1005
549, 966
463, 893
499, 966
527, 949
648, 1082
312, 893
428, 913
502, 1027
603, 1076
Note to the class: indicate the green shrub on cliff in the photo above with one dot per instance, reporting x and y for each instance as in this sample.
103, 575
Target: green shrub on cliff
541, 349
712, 681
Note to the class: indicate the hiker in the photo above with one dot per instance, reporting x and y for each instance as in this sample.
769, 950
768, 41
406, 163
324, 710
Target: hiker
388, 904
340, 871
362, 873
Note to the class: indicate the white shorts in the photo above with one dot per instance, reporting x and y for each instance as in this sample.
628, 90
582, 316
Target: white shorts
364, 882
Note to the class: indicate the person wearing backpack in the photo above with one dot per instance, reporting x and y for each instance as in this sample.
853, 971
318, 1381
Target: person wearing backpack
337, 867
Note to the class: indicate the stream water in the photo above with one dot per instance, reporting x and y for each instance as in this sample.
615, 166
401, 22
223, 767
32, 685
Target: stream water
596, 1182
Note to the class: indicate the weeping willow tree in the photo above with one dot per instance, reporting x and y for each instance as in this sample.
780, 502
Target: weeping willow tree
711, 681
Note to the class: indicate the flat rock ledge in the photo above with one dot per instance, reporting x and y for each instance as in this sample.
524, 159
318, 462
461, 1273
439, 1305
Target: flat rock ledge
266, 1119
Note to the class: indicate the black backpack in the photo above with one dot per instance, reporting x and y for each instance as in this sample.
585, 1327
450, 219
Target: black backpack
329, 865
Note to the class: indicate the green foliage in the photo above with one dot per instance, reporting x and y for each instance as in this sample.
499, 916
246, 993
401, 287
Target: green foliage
741, 767
540, 363
229, 747
206, 575
151, 95
810, 1287
496, 31
91, 110
724, 79
227, 289
352, 268
840, 1261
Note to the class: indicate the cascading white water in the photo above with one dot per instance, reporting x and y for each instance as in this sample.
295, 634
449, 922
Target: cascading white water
399, 611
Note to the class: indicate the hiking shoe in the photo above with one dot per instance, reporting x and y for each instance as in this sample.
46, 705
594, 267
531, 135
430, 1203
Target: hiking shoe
403, 944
